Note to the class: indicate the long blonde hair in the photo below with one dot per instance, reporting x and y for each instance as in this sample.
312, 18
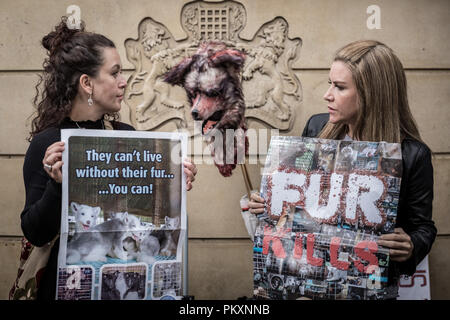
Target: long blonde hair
383, 113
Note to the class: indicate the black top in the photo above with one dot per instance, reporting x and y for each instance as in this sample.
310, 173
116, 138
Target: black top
41, 217
414, 212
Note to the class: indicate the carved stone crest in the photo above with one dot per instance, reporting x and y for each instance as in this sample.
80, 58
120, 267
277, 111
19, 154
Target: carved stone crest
272, 91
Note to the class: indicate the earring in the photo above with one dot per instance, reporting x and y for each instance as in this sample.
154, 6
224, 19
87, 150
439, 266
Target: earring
90, 101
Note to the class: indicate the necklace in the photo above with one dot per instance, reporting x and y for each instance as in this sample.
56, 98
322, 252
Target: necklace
103, 125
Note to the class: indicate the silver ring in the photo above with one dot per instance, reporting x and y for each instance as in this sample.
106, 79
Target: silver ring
49, 167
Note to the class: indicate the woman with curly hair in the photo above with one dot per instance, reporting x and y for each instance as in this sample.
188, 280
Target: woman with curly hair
83, 87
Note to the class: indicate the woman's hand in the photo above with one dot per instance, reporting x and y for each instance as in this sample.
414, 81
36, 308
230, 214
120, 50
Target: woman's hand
53, 161
399, 244
190, 170
256, 204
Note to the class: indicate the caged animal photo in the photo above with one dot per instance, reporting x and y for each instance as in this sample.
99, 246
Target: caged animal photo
123, 283
102, 240
211, 79
125, 237
166, 279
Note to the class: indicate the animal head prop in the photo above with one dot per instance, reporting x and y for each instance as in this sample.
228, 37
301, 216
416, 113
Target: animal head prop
211, 78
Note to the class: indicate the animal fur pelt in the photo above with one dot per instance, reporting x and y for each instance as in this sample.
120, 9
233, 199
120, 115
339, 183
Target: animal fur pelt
211, 78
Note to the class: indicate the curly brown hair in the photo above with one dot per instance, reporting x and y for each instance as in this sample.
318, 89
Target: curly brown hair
71, 53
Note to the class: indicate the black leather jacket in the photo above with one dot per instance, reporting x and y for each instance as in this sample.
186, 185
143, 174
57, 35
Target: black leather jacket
416, 197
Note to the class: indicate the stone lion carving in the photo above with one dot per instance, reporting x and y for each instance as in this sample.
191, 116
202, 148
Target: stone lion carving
264, 59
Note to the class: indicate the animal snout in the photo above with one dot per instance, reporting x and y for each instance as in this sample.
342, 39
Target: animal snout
195, 114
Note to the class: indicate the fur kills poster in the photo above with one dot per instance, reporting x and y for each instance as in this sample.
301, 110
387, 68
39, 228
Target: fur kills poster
123, 219
327, 202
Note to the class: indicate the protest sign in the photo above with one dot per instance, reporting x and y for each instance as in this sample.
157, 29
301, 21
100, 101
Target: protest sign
123, 219
327, 202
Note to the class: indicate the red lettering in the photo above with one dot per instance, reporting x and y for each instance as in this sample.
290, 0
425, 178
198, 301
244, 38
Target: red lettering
334, 248
298, 247
274, 237
310, 252
368, 255
365, 250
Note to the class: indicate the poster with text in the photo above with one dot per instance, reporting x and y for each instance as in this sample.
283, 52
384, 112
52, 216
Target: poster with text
327, 202
123, 215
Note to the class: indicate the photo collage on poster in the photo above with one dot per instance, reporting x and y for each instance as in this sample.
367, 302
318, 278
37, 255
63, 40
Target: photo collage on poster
123, 222
317, 237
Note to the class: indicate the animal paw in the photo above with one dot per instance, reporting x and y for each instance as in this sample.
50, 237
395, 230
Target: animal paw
122, 255
165, 253
247, 75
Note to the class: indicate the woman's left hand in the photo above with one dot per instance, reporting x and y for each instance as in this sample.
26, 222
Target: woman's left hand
399, 244
190, 170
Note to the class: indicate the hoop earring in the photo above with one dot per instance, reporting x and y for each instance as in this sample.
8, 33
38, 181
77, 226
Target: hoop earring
90, 101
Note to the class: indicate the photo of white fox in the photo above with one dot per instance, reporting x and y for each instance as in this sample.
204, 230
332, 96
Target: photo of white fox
85, 216
123, 236
102, 240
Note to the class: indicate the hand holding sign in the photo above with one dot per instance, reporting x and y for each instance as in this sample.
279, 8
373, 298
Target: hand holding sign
399, 244
256, 204
190, 170
328, 209
53, 161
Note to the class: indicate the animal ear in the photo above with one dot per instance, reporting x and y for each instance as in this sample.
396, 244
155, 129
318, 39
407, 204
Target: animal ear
97, 210
177, 74
74, 206
232, 57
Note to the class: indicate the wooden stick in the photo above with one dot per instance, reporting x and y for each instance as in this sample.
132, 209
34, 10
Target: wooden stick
247, 186
248, 182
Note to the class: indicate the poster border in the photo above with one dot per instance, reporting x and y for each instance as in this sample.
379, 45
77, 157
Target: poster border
173, 136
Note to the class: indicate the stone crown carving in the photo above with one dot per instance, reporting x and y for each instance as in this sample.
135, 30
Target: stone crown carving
272, 91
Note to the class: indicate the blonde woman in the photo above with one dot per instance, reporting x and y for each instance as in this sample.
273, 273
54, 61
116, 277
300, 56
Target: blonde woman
367, 101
